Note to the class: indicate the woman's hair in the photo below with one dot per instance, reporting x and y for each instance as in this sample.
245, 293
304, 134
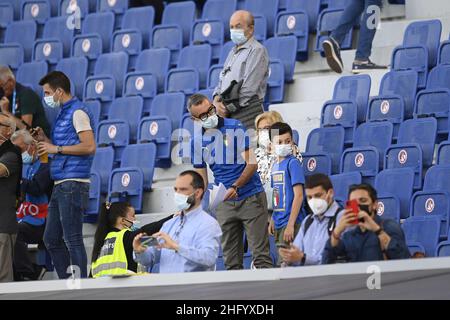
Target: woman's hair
272, 116
106, 220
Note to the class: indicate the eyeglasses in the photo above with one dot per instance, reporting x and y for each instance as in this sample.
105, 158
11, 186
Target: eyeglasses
211, 111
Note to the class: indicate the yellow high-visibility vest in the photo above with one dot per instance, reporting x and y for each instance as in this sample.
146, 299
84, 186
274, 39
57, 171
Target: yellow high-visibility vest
112, 260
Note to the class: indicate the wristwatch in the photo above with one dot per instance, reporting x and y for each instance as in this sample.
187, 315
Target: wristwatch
59, 150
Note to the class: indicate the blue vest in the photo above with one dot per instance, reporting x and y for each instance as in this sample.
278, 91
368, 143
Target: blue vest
64, 134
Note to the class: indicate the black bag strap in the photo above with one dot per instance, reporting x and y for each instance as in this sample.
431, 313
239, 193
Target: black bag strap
331, 222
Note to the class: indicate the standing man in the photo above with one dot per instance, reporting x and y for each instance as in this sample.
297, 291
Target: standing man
243, 80
22, 103
73, 147
10, 174
36, 188
370, 11
224, 145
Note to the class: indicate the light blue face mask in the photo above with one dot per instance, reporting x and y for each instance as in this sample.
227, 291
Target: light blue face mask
211, 122
50, 101
27, 158
237, 36
182, 201
134, 225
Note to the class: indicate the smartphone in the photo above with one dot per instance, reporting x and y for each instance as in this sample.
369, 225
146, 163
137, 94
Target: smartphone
149, 241
354, 206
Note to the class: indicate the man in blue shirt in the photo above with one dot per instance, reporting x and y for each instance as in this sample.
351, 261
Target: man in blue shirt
224, 145
369, 238
287, 184
189, 241
316, 228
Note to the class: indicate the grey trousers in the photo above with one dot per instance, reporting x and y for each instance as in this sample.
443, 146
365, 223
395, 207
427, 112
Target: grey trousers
250, 215
7, 242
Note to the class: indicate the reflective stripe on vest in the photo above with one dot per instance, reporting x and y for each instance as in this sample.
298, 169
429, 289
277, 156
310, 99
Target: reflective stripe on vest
112, 259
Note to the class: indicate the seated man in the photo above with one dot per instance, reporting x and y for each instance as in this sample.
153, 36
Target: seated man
316, 228
369, 238
189, 241
36, 187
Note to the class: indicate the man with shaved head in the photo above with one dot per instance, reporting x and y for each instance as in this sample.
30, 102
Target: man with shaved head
10, 174
243, 80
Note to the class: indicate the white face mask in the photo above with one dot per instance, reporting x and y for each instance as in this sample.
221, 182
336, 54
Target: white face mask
283, 150
318, 206
211, 122
263, 138
182, 201
50, 101
238, 36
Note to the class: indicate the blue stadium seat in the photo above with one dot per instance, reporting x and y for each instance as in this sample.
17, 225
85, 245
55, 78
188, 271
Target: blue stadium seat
327, 21
16, 7
141, 156
127, 185
423, 231
443, 249
211, 32
207, 92
75, 69
419, 49
340, 114
324, 147
275, 83
267, 8
444, 52
95, 108
198, 58
56, 28
414, 148
219, 10
395, 100
260, 32
214, 75
170, 37
156, 62
158, 130
102, 89
28, 32
443, 153
394, 202
311, 7
285, 50
434, 101
181, 14
95, 197
100, 26
113, 64
184, 80
38, 11
119, 7
341, 184
11, 55
171, 105
30, 73
140, 19
129, 41
369, 146
6, 15
143, 84
103, 165
50, 51
355, 89
227, 47
77, 8
294, 23
89, 47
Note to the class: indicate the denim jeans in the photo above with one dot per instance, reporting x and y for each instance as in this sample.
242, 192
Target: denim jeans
63, 235
350, 17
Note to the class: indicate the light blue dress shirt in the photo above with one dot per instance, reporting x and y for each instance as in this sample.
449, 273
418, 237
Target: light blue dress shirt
198, 235
313, 242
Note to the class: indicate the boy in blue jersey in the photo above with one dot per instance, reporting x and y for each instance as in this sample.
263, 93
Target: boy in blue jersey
287, 184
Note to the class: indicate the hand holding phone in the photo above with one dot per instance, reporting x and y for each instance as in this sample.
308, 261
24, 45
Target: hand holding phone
149, 241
